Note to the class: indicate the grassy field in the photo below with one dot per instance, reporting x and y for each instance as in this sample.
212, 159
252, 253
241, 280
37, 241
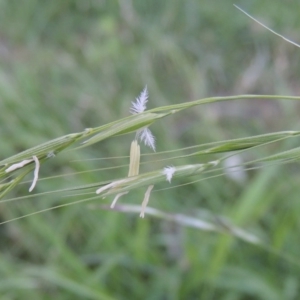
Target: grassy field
75, 64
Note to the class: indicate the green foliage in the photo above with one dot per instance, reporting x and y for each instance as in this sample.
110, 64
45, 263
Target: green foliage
71, 65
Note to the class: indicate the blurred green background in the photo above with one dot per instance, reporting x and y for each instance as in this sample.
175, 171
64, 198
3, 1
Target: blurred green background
73, 64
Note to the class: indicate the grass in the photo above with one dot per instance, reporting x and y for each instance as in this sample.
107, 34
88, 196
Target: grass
67, 66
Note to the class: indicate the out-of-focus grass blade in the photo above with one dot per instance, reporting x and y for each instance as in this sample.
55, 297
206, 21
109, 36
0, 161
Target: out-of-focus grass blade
254, 195
217, 226
78, 289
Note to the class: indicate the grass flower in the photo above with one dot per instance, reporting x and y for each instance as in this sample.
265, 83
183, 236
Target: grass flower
36, 173
108, 186
146, 200
146, 136
50, 154
137, 107
135, 156
18, 165
117, 198
169, 172
134, 166
24, 163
